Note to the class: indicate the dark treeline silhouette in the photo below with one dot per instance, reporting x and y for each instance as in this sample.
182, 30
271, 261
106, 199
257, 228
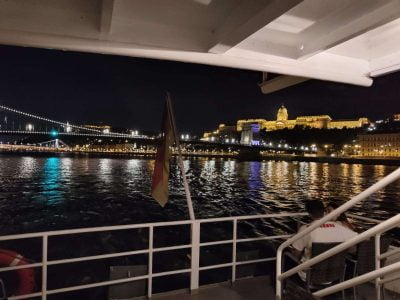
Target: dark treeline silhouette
308, 136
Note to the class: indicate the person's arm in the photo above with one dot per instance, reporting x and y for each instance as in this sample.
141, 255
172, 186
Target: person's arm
299, 245
296, 253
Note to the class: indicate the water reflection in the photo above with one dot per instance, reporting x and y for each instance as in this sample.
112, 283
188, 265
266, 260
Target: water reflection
51, 181
27, 166
105, 170
49, 193
357, 178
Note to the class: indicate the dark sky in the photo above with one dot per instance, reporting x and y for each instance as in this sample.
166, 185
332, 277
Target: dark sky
130, 92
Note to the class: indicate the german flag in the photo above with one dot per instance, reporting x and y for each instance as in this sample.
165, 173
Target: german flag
159, 189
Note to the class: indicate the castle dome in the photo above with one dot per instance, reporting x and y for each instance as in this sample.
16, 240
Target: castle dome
282, 114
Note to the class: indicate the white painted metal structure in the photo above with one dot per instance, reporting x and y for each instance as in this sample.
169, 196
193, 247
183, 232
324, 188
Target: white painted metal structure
375, 231
195, 246
342, 40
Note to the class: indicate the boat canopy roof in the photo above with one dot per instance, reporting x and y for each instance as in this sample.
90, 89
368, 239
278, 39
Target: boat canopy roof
348, 41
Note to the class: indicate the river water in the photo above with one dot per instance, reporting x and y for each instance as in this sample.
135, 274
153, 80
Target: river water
50, 193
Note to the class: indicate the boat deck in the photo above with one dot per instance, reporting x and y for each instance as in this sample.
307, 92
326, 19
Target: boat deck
258, 288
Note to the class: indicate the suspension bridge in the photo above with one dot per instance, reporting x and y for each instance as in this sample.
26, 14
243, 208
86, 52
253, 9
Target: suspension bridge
29, 132
16, 122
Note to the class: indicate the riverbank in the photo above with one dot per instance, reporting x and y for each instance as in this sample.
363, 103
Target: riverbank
335, 160
254, 157
150, 155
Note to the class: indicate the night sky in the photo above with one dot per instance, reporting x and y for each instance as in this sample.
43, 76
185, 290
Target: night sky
129, 92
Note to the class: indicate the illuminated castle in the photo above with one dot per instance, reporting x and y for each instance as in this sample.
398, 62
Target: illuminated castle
282, 121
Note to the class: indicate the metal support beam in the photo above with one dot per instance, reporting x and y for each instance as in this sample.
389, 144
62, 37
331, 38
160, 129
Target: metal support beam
280, 83
107, 9
247, 18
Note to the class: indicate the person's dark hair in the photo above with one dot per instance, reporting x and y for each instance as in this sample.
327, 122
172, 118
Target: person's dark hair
335, 205
315, 208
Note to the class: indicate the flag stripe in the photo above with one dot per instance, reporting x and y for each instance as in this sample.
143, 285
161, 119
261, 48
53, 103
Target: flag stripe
159, 189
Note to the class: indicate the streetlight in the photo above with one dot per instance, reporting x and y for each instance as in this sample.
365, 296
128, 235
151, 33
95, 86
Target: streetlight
29, 127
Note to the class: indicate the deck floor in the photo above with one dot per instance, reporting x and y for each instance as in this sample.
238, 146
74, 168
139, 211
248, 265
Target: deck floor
258, 288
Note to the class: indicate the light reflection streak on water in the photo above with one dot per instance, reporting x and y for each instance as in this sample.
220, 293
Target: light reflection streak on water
51, 181
27, 166
356, 175
105, 170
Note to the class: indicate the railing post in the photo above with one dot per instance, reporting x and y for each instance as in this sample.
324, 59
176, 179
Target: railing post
44, 266
195, 257
278, 274
234, 238
150, 264
377, 265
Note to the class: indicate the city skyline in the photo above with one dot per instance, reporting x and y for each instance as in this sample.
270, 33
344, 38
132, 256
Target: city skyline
129, 92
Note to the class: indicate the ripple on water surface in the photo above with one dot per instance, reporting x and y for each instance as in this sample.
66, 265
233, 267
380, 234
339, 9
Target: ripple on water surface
38, 194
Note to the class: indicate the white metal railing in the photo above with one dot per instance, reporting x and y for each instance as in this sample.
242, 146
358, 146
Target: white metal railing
195, 247
375, 231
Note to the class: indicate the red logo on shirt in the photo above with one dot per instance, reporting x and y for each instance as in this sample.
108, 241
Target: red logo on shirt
327, 225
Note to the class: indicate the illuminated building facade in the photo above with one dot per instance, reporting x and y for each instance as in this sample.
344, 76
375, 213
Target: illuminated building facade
250, 135
282, 122
224, 134
380, 144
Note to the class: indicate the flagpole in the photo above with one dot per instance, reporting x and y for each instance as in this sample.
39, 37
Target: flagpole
180, 160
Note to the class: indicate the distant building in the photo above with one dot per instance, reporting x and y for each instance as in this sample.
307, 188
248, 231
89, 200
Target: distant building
396, 117
224, 134
380, 144
320, 121
103, 128
340, 124
250, 134
282, 122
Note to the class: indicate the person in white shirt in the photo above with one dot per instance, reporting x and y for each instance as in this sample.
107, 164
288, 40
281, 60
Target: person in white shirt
330, 232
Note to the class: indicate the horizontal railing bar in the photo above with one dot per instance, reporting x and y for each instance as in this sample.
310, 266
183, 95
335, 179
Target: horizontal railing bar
254, 261
274, 237
92, 230
353, 216
216, 243
26, 296
172, 248
35, 265
94, 257
389, 253
93, 285
216, 266
358, 280
386, 280
171, 272
143, 225
250, 217
384, 226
